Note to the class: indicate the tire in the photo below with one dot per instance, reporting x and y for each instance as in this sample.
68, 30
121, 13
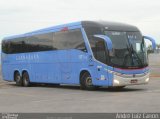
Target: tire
18, 79
86, 82
26, 80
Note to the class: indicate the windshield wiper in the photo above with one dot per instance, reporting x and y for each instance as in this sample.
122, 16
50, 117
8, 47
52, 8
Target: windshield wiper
135, 54
130, 54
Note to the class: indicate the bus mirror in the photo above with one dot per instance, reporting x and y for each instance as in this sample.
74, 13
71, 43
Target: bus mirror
152, 41
107, 40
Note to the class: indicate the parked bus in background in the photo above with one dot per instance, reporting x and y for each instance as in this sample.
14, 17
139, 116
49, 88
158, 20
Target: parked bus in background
88, 53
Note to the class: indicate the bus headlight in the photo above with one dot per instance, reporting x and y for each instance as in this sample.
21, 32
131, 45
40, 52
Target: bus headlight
116, 82
147, 79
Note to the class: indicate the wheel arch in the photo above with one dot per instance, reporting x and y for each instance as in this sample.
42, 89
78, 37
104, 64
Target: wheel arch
84, 71
23, 71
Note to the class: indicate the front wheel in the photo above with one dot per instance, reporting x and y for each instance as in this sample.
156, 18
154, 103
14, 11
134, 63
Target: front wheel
86, 82
26, 81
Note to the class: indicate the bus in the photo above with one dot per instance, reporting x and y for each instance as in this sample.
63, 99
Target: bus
86, 53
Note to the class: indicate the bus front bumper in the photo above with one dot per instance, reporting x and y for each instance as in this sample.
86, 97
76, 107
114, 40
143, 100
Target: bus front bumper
136, 79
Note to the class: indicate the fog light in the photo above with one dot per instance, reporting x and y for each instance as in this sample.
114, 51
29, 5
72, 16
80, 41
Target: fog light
147, 79
116, 81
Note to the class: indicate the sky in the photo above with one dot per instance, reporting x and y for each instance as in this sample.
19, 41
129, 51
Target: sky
20, 16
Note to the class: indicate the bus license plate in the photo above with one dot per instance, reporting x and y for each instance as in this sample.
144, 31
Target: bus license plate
134, 81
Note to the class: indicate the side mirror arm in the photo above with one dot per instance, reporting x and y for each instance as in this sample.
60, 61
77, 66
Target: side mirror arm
107, 40
152, 41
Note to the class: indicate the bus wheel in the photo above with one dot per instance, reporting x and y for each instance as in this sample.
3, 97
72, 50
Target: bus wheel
26, 81
18, 79
86, 82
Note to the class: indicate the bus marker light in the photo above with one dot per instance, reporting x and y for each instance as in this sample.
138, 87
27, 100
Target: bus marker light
65, 29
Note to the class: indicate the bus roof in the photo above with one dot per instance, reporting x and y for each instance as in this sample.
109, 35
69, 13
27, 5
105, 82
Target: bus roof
110, 26
114, 26
45, 30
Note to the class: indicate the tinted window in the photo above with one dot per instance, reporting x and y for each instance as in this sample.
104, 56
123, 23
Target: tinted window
13, 46
5, 46
90, 31
35, 43
42, 42
99, 50
97, 45
71, 39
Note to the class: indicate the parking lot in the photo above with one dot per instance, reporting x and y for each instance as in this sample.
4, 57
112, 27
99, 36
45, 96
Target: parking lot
49, 98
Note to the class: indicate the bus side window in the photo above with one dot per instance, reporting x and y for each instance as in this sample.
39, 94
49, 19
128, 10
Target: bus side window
100, 50
70, 39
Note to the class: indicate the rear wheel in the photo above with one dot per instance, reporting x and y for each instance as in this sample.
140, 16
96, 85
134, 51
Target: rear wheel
18, 79
26, 81
86, 82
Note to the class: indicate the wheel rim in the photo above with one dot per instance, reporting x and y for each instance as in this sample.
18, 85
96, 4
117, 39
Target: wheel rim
88, 81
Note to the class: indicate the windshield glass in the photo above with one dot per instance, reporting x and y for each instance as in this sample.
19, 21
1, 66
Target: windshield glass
128, 49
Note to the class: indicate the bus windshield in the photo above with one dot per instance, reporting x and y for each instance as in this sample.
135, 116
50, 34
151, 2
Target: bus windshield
129, 49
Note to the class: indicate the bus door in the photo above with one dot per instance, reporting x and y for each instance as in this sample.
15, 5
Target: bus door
101, 57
